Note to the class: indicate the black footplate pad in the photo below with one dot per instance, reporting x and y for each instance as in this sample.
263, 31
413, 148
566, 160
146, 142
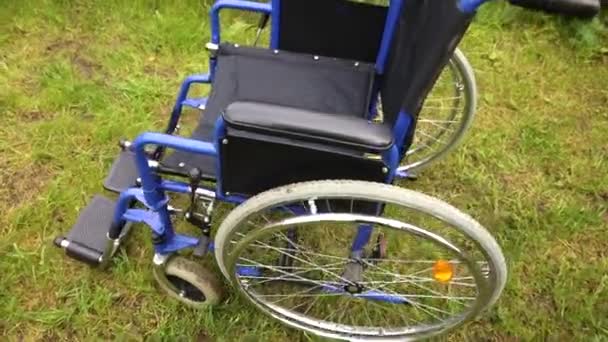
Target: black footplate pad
123, 174
87, 239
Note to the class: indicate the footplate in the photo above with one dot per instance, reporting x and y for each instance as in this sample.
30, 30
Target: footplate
123, 174
88, 240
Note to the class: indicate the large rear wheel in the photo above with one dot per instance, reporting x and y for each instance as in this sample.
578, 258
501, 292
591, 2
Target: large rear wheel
446, 116
369, 261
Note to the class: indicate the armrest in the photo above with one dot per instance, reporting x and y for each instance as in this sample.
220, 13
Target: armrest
183, 96
304, 124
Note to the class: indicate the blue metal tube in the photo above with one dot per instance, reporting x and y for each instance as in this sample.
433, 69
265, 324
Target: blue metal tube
183, 95
275, 22
216, 25
383, 297
153, 193
150, 182
364, 233
402, 127
470, 6
392, 20
124, 200
174, 186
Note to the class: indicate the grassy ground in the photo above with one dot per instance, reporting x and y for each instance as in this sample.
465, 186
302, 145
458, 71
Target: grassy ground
77, 75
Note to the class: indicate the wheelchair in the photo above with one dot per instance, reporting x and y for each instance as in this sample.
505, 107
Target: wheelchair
317, 236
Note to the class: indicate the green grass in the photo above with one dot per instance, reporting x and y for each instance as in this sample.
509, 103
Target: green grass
75, 76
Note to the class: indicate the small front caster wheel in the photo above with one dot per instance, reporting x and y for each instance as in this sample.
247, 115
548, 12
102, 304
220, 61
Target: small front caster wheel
189, 282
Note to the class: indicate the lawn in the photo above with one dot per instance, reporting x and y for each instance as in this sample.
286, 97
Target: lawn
75, 76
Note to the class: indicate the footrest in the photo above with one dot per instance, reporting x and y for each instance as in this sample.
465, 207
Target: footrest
123, 174
88, 238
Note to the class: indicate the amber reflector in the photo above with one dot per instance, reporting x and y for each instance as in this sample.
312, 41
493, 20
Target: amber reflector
443, 271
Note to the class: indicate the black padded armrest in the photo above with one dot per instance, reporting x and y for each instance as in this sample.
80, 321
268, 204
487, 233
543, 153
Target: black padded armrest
308, 125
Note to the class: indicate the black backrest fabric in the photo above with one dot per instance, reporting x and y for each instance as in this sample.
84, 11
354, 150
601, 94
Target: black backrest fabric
289, 79
424, 40
334, 28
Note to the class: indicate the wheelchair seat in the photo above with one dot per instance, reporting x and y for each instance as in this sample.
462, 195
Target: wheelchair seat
302, 82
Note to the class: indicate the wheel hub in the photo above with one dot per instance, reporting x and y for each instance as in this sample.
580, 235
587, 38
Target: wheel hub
353, 289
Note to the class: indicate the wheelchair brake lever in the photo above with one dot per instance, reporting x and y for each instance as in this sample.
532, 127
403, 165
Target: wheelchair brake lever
201, 221
195, 177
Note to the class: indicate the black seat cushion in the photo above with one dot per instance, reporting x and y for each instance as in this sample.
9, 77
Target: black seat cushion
321, 84
302, 124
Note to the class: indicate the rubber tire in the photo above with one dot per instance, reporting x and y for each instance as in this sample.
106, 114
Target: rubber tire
470, 84
374, 191
198, 276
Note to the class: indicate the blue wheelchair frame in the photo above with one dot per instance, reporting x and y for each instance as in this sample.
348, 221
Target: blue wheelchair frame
152, 193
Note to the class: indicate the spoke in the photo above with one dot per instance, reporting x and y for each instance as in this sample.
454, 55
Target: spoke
342, 312
369, 319
385, 308
285, 274
442, 99
429, 136
307, 262
303, 292
255, 225
413, 280
295, 247
438, 121
409, 297
417, 304
311, 305
401, 261
419, 308
289, 268
303, 295
263, 245
331, 314
284, 278
430, 307
416, 143
407, 280
265, 218
413, 302
444, 128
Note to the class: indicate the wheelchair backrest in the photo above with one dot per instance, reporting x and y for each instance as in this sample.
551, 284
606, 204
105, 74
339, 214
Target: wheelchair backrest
419, 38
336, 28
425, 37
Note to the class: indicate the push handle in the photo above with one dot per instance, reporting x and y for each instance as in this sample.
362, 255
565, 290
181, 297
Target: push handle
574, 8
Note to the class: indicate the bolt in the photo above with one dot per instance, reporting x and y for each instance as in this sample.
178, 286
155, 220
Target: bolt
225, 141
